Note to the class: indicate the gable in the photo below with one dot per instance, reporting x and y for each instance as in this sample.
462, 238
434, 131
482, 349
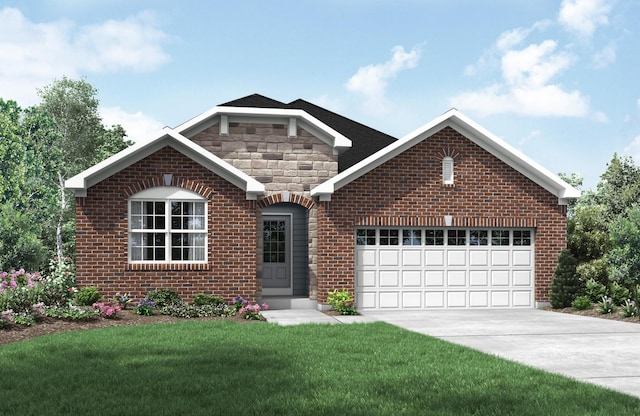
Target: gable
472, 132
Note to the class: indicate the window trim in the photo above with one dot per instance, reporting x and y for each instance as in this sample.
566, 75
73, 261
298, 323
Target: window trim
447, 170
167, 195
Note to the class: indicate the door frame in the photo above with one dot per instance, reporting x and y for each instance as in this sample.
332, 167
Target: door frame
286, 291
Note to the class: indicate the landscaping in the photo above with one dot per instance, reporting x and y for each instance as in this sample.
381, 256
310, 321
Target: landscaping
221, 367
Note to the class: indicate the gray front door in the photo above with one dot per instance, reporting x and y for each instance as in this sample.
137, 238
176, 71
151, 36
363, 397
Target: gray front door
276, 257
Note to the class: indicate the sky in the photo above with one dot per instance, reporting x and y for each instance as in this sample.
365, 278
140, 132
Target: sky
558, 80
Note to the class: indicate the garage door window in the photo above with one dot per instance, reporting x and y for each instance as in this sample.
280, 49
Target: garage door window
499, 237
521, 238
478, 238
411, 237
389, 237
366, 237
434, 237
457, 237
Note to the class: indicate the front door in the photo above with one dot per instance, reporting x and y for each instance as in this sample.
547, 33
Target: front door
276, 254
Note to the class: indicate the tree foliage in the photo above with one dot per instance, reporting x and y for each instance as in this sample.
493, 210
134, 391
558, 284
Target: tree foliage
565, 285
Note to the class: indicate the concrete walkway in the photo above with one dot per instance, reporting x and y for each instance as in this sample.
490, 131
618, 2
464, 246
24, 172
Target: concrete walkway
592, 350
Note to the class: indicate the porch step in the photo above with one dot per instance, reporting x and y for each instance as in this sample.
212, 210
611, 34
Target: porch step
288, 302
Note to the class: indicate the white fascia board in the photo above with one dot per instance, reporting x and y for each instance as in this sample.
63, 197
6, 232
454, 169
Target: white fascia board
265, 115
97, 173
473, 132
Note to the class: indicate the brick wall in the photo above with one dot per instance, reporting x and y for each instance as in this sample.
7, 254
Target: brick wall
102, 239
408, 190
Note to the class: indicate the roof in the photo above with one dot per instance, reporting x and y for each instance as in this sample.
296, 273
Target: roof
167, 137
364, 140
472, 131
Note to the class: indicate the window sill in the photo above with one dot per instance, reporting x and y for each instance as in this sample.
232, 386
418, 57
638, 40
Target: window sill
168, 266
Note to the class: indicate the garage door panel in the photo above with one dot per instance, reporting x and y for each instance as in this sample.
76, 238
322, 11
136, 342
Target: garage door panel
389, 258
434, 278
365, 278
411, 278
434, 299
366, 257
389, 300
434, 258
522, 298
456, 278
500, 258
366, 300
478, 278
456, 299
412, 257
500, 299
411, 300
479, 258
456, 258
389, 278
522, 258
522, 278
500, 277
478, 299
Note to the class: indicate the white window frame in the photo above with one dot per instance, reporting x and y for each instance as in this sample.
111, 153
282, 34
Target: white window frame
167, 195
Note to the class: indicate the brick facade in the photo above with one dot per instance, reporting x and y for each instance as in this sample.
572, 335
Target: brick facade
408, 190
102, 234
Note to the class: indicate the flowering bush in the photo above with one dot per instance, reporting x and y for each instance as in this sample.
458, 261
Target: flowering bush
6, 318
144, 307
249, 311
629, 309
107, 310
342, 302
122, 300
59, 282
70, 312
606, 306
239, 302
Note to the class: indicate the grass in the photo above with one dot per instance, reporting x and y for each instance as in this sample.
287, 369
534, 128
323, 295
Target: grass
226, 368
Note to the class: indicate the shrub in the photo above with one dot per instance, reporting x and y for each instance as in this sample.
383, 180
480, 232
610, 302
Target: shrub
204, 299
144, 307
179, 310
122, 300
597, 270
606, 306
87, 296
70, 312
629, 309
107, 310
566, 283
619, 294
163, 297
595, 290
220, 309
239, 302
59, 282
342, 302
250, 311
581, 303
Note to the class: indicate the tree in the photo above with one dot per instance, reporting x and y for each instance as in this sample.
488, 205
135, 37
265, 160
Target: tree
624, 257
619, 186
83, 140
565, 285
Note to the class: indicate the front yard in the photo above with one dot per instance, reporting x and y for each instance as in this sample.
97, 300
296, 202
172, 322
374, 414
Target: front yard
223, 367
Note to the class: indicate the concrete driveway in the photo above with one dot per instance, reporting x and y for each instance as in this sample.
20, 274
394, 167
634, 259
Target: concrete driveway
593, 350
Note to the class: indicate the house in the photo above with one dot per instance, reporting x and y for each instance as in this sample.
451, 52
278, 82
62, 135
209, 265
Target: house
262, 199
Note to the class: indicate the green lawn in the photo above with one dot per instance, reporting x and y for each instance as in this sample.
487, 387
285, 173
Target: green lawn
226, 368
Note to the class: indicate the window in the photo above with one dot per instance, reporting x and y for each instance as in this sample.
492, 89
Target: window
447, 170
389, 237
521, 237
411, 237
434, 237
366, 237
478, 238
167, 225
500, 237
457, 237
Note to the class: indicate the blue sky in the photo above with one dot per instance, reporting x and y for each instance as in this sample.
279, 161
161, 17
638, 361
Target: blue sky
558, 80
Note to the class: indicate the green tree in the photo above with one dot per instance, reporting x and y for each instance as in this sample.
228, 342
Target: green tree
83, 140
565, 285
619, 187
624, 257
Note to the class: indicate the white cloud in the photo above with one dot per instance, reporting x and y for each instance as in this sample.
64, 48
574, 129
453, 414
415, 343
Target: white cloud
371, 81
605, 57
34, 53
633, 149
584, 16
526, 86
138, 126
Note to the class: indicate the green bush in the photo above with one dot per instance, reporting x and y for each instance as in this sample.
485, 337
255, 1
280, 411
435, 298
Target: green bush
163, 297
203, 299
582, 303
342, 302
595, 290
565, 285
87, 296
597, 270
619, 294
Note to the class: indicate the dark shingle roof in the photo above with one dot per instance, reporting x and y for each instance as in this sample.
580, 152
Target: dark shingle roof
364, 140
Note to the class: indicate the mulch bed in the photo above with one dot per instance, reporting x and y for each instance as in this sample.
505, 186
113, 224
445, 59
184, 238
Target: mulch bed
593, 312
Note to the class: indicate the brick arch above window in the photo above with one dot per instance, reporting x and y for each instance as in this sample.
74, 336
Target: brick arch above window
286, 197
169, 180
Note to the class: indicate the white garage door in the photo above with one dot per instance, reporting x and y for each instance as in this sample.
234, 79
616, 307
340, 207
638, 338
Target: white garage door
424, 268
